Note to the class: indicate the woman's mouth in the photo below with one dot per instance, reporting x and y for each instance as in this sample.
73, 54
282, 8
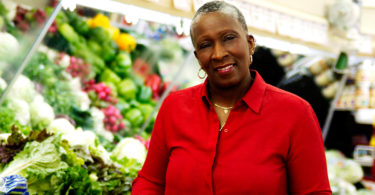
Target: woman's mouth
225, 69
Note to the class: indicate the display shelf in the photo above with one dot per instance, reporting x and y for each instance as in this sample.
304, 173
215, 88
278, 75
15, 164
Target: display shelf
34, 38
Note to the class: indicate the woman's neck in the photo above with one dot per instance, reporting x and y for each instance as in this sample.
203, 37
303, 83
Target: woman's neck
229, 96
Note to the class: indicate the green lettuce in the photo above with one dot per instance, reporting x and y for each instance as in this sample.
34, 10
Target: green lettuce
37, 160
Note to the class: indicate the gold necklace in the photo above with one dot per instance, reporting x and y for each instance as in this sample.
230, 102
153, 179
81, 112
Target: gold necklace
225, 109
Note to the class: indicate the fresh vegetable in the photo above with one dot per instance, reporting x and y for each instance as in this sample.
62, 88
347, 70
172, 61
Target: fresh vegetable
37, 160
109, 50
100, 35
135, 117
144, 94
109, 76
9, 47
7, 117
122, 65
21, 110
99, 20
146, 110
23, 89
154, 82
16, 142
127, 89
113, 119
41, 113
61, 125
126, 42
130, 148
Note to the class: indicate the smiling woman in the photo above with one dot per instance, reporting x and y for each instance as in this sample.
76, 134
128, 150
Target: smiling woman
233, 134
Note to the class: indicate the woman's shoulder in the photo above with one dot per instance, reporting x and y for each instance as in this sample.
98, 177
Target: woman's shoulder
288, 99
185, 94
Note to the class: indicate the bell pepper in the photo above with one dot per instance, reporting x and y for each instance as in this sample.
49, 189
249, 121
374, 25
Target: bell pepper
127, 89
146, 110
144, 94
94, 47
135, 117
79, 24
123, 106
154, 82
109, 76
109, 50
122, 65
100, 35
126, 42
99, 20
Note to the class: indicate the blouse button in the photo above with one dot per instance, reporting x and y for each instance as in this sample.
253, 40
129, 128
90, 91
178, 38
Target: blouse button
226, 130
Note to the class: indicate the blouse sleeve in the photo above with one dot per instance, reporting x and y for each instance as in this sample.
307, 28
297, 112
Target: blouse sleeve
151, 178
306, 163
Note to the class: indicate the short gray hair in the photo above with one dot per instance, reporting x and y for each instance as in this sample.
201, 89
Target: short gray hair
218, 6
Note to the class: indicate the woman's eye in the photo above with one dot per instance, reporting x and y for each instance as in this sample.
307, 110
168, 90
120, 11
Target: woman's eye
204, 45
229, 37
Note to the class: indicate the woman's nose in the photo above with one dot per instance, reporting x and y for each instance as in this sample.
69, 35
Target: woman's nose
219, 52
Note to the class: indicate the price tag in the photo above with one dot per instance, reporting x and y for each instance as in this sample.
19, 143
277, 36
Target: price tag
364, 155
184, 5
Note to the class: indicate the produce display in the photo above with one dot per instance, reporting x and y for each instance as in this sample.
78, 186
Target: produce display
343, 173
71, 123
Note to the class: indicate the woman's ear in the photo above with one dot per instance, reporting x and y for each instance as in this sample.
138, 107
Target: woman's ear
251, 42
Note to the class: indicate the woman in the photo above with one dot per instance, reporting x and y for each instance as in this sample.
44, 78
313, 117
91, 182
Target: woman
233, 134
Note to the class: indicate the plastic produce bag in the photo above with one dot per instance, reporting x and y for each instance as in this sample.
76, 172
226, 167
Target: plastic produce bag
13, 184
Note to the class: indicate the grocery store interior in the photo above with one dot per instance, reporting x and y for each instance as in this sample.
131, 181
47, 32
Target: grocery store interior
81, 83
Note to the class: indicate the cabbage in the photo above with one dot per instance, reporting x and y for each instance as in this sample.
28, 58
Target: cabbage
9, 46
60, 125
130, 148
41, 113
23, 89
37, 160
80, 138
21, 109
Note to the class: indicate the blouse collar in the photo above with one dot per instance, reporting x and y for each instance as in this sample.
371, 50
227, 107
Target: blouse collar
253, 97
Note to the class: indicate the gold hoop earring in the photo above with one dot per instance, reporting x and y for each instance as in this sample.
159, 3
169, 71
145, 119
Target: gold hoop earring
199, 74
251, 59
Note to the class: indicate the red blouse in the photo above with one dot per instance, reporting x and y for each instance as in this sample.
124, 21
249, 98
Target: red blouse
270, 144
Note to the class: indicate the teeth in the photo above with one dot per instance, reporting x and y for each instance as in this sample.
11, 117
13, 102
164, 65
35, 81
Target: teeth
225, 68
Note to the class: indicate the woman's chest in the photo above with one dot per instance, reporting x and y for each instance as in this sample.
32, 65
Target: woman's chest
247, 156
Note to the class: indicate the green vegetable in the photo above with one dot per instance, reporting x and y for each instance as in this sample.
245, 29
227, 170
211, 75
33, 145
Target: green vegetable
94, 46
145, 94
109, 50
113, 88
37, 160
108, 76
82, 118
61, 18
135, 117
146, 110
100, 35
127, 89
78, 23
122, 65
69, 33
7, 116
123, 106
16, 142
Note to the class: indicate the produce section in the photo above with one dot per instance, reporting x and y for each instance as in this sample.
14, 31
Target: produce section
79, 116
72, 121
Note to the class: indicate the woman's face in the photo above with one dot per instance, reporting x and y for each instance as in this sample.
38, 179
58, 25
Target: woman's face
223, 49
